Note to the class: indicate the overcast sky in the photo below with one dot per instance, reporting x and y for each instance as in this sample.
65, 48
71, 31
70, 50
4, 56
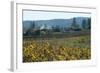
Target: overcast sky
44, 15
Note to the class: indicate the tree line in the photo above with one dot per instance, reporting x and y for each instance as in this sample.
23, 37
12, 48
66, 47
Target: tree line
85, 25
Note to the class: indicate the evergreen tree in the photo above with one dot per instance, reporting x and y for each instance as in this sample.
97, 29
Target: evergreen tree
84, 24
33, 25
89, 23
56, 28
74, 25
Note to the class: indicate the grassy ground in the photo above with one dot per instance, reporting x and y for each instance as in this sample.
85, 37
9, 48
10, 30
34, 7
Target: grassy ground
52, 49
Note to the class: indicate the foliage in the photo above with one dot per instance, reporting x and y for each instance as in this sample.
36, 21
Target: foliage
75, 26
86, 24
39, 50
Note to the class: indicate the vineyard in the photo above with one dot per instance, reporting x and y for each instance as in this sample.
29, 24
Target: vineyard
56, 49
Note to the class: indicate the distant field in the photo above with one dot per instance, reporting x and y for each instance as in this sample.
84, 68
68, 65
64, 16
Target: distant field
59, 34
56, 49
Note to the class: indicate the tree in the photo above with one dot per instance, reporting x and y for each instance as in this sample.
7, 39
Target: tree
74, 25
33, 25
56, 28
84, 24
29, 32
89, 23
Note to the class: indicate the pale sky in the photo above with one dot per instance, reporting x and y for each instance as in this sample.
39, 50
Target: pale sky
44, 15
